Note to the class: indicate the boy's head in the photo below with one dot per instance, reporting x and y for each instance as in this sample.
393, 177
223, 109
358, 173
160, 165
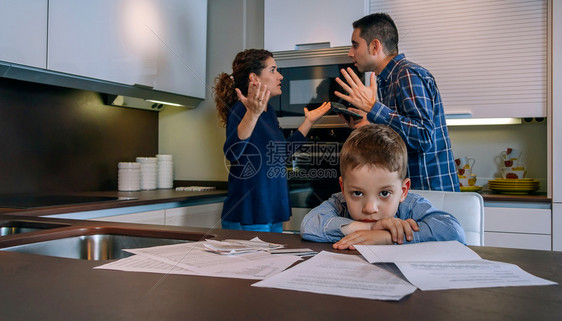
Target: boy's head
373, 164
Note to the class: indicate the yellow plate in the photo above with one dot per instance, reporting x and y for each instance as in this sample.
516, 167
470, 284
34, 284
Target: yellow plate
513, 180
470, 188
512, 185
515, 190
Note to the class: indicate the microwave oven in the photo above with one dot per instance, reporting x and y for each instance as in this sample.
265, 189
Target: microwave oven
309, 86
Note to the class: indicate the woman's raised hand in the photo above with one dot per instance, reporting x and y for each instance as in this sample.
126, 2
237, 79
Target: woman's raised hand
311, 116
315, 114
258, 96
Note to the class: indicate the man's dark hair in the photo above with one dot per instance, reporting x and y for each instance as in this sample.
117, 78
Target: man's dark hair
379, 26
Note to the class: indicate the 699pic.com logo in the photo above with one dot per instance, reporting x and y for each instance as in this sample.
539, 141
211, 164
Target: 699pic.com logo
249, 161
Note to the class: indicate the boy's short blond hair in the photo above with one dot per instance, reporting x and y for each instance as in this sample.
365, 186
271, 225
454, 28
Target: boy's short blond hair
374, 145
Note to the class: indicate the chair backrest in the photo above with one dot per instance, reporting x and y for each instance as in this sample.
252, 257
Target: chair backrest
467, 207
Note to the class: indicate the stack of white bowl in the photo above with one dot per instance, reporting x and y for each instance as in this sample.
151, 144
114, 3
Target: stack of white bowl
165, 171
148, 172
128, 176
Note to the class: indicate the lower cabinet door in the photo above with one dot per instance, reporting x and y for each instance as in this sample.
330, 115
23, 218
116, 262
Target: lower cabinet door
206, 216
521, 228
150, 217
518, 240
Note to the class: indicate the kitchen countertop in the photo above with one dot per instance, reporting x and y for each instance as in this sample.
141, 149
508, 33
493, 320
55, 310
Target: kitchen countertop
299, 197
51, 288
137, 199
534, 197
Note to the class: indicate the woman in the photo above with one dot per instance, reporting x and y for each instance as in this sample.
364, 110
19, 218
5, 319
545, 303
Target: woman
258, 193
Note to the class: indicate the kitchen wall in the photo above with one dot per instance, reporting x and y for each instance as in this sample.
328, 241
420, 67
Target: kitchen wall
64, 140
195, 138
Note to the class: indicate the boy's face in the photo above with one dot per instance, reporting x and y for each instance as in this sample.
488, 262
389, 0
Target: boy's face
373, 193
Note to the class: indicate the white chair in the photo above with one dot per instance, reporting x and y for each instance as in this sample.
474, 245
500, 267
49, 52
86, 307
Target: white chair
467, 207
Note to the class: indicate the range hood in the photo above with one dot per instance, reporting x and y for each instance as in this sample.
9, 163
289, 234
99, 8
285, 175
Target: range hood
148, 103
116, 94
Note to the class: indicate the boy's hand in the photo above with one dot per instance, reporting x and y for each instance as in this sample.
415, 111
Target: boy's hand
397, 228
363, 237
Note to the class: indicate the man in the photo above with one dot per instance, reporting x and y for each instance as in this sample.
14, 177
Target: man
408, 101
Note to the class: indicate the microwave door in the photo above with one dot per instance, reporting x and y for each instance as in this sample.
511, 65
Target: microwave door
307, 87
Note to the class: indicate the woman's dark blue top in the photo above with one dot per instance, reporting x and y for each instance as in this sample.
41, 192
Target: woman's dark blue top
258, 191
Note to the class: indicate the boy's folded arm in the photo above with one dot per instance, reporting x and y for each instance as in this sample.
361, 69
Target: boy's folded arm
355, 226
439, 228
323, 223
364, 237
434, 224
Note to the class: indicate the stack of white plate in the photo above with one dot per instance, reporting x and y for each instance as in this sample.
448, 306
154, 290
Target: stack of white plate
128, 176
165, 171
148, 172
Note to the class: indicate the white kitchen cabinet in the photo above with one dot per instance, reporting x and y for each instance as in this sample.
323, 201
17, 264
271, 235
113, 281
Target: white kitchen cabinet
149, 217
23, 32
206, 216
182, 47
153, 43
288, 23
557, 226
524, 228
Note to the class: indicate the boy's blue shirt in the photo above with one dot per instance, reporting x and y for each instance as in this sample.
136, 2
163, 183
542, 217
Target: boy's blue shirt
323, 223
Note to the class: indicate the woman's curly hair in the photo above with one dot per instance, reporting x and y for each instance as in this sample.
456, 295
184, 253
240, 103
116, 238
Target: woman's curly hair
246, 62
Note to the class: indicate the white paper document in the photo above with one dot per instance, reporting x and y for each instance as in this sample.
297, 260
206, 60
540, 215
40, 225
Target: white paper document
138, 263
448, 265
341, 274
467, 274
418, 252
229, 247
194, 259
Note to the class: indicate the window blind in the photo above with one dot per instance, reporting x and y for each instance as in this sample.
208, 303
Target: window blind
489, 57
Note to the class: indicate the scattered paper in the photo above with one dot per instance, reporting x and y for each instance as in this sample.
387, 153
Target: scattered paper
195, 259
467, 274
138, 263
418, 252
231, 247
448, 265
300, 252
341, 274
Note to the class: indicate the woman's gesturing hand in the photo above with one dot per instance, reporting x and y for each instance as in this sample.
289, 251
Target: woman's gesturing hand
258, 96
315, 114
311, 116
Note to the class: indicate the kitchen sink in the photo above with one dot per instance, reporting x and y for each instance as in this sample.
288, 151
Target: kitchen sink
96, 246
17, 227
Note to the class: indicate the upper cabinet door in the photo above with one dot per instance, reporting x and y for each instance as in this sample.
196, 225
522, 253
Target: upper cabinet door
23, 32
103, 39
181, 39
289, 23
154, 43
